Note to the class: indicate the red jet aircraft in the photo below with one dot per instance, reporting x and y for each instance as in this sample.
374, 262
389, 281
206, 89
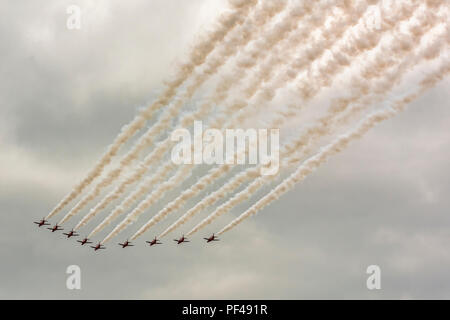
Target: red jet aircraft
41, 223
98, 247
84, 241
55, 228
212, 238
153, 242
181, 240
126, 244
71, 234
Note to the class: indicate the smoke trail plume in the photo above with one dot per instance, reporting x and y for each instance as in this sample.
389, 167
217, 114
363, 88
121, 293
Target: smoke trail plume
238, 39
131, 217
150, 181
212, 198
258, 52
386, 57
325, 123
246, 62
311, 51
200, 51
352, 17
342, 55
337, 146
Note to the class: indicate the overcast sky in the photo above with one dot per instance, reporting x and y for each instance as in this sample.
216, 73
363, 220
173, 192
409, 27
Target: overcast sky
65, 94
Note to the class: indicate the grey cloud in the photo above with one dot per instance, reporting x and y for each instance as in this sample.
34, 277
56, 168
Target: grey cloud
383, 201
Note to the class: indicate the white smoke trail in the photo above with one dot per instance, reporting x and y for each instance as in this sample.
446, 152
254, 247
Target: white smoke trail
369, 93
250, 29
353, 16
200, 51
212, 198
272, 37
342, 54
325, 122
166, 186
129, 200
337, 146
385, 58
365, 47
349, 15
331, 33
223, 169
263, 73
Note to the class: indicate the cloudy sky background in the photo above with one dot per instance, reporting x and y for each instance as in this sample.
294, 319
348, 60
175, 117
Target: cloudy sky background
65, 94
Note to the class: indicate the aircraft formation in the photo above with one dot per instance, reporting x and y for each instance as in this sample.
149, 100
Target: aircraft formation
322, 73
124, 244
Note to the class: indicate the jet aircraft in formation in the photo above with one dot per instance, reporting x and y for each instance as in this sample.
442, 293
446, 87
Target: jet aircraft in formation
125, 244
